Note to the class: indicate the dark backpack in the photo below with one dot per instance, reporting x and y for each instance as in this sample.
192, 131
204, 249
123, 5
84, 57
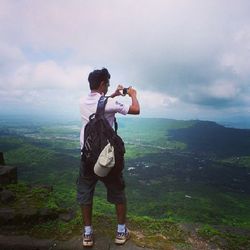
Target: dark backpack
97, 134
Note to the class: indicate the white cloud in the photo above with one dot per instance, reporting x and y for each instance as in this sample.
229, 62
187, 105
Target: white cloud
237, 56
154, 100
10, 57
223, 89
47, 75
190, 54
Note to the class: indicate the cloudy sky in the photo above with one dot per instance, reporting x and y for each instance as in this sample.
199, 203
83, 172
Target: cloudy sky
188, 59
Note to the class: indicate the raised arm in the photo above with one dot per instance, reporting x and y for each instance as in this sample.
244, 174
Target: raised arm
134, 108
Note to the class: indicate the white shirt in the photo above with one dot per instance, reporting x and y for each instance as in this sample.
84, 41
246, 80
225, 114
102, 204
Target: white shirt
88, 106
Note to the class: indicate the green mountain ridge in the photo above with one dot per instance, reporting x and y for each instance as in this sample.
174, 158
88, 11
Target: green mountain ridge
211, 137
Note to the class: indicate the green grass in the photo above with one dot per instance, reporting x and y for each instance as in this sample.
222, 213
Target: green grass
158, 234
226, 240
36, 197
29, 155
146, 231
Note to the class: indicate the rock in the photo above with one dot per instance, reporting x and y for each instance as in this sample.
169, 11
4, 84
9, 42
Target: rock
68, 216
28, 215
47, 214
26, 242
8, 175
6, 215
1, 159
7, 196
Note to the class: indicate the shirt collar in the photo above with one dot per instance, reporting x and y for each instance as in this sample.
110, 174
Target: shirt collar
95, 93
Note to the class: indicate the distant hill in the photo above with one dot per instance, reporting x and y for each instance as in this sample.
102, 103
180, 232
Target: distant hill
194, 135
210, 137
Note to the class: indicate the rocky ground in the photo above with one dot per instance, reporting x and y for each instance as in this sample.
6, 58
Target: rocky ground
12, 240
30, 220
28, 243
25, 242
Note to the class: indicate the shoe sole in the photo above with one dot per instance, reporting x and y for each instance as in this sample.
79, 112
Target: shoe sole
88, 244
121, 242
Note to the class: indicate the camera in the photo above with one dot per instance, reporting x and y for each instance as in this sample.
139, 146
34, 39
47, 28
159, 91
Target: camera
125, 91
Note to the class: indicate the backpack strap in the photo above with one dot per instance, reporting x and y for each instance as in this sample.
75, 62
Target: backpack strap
101, 105
116, 125
101, 108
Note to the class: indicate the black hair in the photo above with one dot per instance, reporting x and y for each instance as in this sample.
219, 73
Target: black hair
97, 76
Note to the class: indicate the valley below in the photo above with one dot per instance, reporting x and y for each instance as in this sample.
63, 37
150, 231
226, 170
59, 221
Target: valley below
193, 174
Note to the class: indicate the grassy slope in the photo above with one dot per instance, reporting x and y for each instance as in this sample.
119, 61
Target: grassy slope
49, 155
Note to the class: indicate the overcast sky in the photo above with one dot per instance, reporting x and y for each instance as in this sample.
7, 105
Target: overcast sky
188, 59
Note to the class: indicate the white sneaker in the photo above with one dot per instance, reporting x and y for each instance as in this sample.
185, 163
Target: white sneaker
121, 238
88, 240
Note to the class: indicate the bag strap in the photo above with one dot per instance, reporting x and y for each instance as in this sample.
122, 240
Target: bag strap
101, 108
101, 105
